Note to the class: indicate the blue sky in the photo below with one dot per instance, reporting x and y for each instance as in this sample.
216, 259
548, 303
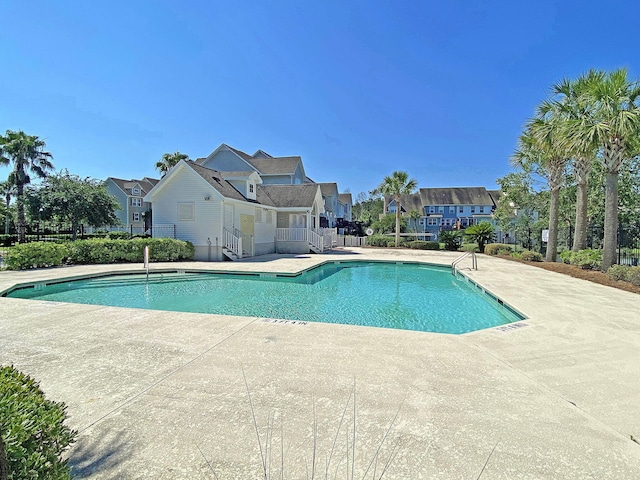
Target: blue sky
358, 89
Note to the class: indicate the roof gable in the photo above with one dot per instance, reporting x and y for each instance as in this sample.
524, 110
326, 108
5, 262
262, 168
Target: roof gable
291, 196
456, 196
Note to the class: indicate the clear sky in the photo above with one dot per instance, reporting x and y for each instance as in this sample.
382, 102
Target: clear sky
358, 89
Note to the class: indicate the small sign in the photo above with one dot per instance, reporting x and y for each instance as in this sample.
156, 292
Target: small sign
545, 235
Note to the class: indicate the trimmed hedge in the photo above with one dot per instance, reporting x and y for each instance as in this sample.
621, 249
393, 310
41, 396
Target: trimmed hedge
33, 430
498, 249
586, 259
96, 251
422, 245
625, 273
529, 256
379, 240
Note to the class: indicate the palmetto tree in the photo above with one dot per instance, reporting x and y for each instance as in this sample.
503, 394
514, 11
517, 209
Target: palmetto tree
7, 190
397, 184
170, 160
542, 149
26, 153
614, 125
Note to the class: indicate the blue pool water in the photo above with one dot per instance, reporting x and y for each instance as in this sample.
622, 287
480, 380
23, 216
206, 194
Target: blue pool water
405, 296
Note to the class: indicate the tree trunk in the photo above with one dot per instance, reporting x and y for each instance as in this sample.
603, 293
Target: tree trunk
610, 242
555, 180
580, 239
22, 223
7, 221
582, 167
397, 220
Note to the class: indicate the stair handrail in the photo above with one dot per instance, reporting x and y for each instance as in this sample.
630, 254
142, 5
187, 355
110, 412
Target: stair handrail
232, 243
316, 240
474, 261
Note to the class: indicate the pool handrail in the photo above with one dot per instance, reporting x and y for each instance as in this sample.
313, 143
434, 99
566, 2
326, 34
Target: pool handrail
474, 261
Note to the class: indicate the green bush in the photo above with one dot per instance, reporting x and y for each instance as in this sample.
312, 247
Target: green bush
381, 241
118, 235
98, 251
565, 256
452, 239
587, 259
618, 272
469, 247
35, 255
633, 276
498, 249
422, 245
32, 428
517, 255
529, 256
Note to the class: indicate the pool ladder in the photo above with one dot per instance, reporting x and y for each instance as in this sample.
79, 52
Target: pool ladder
474, 261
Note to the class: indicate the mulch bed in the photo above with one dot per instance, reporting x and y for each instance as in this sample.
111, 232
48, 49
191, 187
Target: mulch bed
577, 272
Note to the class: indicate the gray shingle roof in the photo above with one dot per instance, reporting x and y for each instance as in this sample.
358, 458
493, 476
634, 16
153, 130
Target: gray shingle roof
456, 196
345, 198
215, 179
145, 184
275, 165
495, 195
290, 195
328, 188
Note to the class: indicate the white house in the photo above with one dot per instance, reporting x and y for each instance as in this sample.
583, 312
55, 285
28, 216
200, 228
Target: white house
234, 214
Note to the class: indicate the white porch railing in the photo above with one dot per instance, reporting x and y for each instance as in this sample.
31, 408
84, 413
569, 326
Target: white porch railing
232, 243
292, 234
248, 242
316, 240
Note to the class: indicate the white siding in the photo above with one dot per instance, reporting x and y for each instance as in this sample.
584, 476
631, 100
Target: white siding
186, 186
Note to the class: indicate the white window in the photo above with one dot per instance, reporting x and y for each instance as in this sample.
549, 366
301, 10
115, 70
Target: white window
440, 209
473, 209
432, 221
186, 211
481, 209
136, 216
136, 191
258, 215
269, 216
452, 209
461, 209
432, 209
136, 201
251, 188
296, 220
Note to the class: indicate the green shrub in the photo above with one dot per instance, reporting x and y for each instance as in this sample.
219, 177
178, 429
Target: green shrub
422, 245
517, 255
618, 272
529, 256
633, 276
452, 239
381, 241
587, 259
98, 251
565, 256
35, 255
469, 247
118, 235
32, 428
498, 249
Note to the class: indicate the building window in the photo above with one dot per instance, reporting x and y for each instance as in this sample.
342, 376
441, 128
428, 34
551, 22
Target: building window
251, 188
473, 209
460, 209
440, 209
296, 220
186, 211
432, 209
432, 221
269, 216
481, 209
136, 202
136, 216
452, 209
258, 215
136, 191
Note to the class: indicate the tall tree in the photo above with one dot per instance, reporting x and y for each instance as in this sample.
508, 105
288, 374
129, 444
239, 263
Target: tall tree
7, 190
170, 160
614, 125
27, 154
67, 198
541, 149
397, 184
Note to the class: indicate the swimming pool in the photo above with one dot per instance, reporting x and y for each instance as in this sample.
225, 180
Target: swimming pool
393, 295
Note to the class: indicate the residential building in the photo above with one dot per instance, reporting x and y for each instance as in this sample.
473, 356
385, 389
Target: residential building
130, 195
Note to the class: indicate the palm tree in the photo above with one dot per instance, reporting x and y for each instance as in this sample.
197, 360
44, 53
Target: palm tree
481, 233
396, 184
613, 125
415, 215
569, 106
7, 190
542, 149
26, 153
170, 160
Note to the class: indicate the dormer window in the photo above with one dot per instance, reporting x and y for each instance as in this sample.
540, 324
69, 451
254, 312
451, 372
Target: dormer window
251, 188
136, 191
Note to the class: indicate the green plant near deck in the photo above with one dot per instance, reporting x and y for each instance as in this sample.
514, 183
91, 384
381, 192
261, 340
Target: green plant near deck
625, 273
529, 256
452, 239
33, 432
585, 259
35, 255
422, 245
381, 241
96, 251
498, 249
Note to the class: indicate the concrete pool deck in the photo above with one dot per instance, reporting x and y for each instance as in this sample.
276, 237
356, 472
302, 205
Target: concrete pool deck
162, 394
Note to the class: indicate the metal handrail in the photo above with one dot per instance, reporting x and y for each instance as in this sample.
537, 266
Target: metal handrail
474, 261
